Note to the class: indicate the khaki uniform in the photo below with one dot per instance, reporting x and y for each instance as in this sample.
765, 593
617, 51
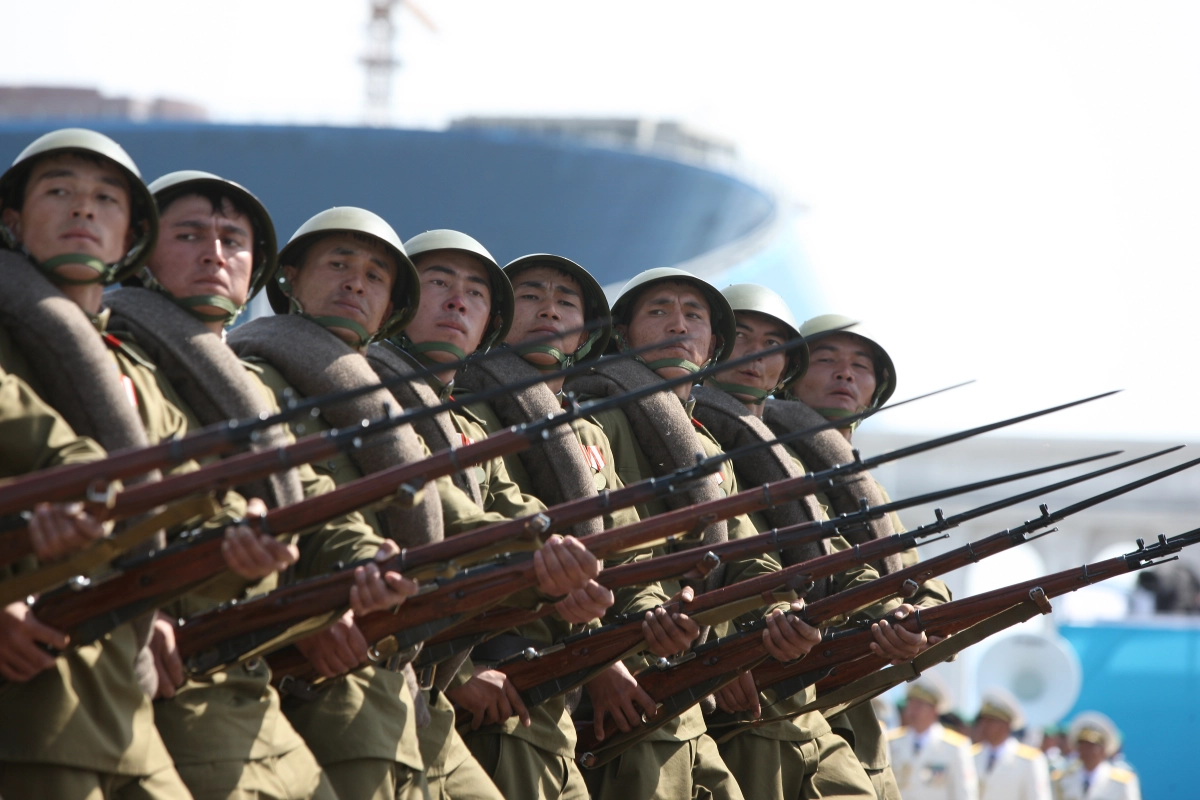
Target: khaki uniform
1105, 783
810, 759
940, 768
1012, 771
35, 437
679, 758
859, 726
539, 761
361, 728
226, 732
84, 724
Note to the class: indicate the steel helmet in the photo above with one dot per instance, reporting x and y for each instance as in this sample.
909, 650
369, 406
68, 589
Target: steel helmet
502, 293
750, 297
406, 290
143, 215
723, 323
174, 185
595, 306
885, 372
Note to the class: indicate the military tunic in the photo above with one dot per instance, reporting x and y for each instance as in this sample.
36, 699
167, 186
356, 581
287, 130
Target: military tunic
679, 757
83, 724
361, 728
935, 766
1012, 771
541, 762
1106, 782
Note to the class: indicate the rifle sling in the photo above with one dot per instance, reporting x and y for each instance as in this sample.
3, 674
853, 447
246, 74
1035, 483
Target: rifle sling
871, 686
106, 549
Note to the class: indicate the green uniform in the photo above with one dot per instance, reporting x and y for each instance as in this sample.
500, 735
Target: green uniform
859, 726
539, 761
84, 727
678, 758
362, 727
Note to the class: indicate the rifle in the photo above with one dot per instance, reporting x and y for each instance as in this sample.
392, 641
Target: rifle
950, 618
685, 563
551, 671
458, 598
16, 543
237, 631
787, 679
94, 480
87, 611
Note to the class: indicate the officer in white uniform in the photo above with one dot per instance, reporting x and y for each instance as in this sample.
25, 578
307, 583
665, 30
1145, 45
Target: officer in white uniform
931, 762
1007, 769
1092, 776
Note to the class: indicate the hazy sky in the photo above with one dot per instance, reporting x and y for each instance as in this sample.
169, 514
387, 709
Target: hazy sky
1003, 191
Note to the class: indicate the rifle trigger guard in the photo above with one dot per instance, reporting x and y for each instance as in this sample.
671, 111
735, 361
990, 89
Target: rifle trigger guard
102, 493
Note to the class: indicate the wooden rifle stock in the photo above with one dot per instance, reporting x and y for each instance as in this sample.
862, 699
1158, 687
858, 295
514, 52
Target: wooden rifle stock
89, 611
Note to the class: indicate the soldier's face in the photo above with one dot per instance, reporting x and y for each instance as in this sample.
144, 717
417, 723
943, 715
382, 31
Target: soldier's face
549, 302
919, 714
456, 302
755, 333
204, 250
1090, 753
73, 205
991, 730
841, 374
346, 276
670, 310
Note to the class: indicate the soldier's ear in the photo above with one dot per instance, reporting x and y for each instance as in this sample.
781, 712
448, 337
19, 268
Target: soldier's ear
12, 220
712, 348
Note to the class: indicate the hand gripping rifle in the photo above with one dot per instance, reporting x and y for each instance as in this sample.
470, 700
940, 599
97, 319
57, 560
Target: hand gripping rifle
86, 611
688, 563
677, 685
240, 630
16, 543
841, 647
94, 480
463, 596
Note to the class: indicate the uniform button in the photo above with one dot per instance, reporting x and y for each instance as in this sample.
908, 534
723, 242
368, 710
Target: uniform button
480, 476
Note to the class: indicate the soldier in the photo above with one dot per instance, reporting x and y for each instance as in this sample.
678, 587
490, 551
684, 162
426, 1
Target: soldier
553, 296
811, 759
1092, 775
216, 250
466, 307
662, 305
931, 762
1007, 769
848, 373
75, 206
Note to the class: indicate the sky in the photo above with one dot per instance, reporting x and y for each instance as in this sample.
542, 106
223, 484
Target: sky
1006, 192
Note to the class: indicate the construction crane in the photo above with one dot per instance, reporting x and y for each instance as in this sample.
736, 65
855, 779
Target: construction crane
380, 62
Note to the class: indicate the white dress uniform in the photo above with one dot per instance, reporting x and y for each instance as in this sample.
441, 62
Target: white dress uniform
933, 766
1106, 782
1012, 771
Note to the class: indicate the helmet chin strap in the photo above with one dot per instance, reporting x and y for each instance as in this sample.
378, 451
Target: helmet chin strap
760, 395
834, 414
658, 363
561, 360
229, 310
49, 267
328, 322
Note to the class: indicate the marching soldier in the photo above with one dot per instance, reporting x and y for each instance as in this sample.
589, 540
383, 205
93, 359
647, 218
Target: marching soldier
810, 759
75, 208
467, 306
931, 762
553, 296
1092, 775
226, 732
663, 305
1006, 768
848, 373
